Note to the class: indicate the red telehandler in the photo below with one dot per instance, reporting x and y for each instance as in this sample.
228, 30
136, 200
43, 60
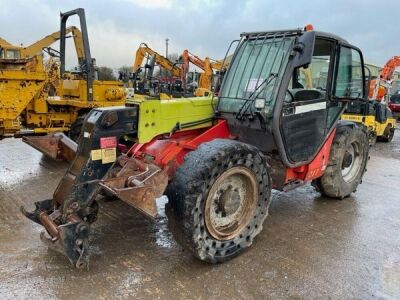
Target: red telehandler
218, 163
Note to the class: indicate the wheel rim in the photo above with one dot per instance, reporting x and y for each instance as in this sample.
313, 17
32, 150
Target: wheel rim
231, 203
352, 161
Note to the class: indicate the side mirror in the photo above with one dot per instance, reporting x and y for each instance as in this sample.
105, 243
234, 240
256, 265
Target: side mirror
304, 49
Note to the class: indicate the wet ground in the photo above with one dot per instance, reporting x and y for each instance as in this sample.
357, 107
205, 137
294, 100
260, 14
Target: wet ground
311, 247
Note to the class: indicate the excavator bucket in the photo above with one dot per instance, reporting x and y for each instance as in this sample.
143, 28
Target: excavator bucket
56, 145
66, 217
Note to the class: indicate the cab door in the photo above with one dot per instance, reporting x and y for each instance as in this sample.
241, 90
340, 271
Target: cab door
304, 115
312, 107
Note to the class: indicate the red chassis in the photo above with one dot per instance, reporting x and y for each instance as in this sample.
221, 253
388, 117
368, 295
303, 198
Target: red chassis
168, 153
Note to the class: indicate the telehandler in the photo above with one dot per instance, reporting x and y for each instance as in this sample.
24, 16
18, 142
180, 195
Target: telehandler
39, 99
217, 160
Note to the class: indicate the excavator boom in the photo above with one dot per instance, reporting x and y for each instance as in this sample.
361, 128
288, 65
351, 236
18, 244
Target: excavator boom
38, 46
380, 86
390, 66
207, 65
145, 51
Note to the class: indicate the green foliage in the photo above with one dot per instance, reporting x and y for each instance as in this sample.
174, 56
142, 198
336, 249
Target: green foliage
105, 73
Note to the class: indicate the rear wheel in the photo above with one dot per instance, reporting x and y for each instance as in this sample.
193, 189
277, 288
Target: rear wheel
218, 199
347, 161
388, 134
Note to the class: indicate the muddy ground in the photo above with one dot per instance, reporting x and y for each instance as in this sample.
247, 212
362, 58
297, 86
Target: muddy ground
311, 247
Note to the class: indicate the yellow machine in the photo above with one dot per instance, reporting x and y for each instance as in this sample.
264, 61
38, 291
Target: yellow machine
206, 78
10, 52
375, 114
38, 98
143, 82
145, 51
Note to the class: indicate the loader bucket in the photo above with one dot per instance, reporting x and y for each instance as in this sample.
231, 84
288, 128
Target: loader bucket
138, 184
56, 145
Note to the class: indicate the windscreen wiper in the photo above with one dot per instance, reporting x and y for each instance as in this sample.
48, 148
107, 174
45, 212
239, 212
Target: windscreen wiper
244, 108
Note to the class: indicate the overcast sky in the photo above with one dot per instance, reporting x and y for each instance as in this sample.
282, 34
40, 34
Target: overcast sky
205, 27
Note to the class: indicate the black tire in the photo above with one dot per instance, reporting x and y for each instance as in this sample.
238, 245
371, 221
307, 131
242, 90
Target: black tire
193, 183
341, 179
76, 127
372, 138
388, 134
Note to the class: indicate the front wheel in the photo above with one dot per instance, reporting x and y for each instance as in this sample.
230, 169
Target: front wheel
347, 162
218, 199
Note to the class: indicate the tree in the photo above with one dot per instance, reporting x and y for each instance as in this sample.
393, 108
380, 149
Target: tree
105, 73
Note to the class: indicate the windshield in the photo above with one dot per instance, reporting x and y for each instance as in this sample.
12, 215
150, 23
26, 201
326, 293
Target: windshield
255, 73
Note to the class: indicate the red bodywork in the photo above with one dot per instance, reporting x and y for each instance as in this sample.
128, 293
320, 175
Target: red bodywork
168, 152
394, 107
315, 168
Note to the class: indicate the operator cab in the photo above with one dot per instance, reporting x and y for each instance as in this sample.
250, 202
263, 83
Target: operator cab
285, 90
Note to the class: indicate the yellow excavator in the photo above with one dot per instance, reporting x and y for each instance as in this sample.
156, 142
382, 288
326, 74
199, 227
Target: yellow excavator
206, 78
177, 73
38, 98
11, 52
145, 84
145, 51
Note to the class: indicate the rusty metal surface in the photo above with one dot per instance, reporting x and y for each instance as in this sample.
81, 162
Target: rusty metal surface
56, 145
50, 226
231, 202
137, 183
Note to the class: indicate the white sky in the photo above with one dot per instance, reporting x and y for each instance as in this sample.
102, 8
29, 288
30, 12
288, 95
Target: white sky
205, 27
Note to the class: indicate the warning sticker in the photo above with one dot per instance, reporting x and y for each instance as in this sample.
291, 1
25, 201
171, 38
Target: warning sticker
253, 84
108, 142
96, 154
108, 155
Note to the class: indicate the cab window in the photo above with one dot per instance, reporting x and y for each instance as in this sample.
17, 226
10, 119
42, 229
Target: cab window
310, 82
12, 54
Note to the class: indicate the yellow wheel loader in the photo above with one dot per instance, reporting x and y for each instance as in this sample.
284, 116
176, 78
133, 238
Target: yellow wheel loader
376, 114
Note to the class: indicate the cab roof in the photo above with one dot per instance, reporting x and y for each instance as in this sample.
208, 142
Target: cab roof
290, 32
